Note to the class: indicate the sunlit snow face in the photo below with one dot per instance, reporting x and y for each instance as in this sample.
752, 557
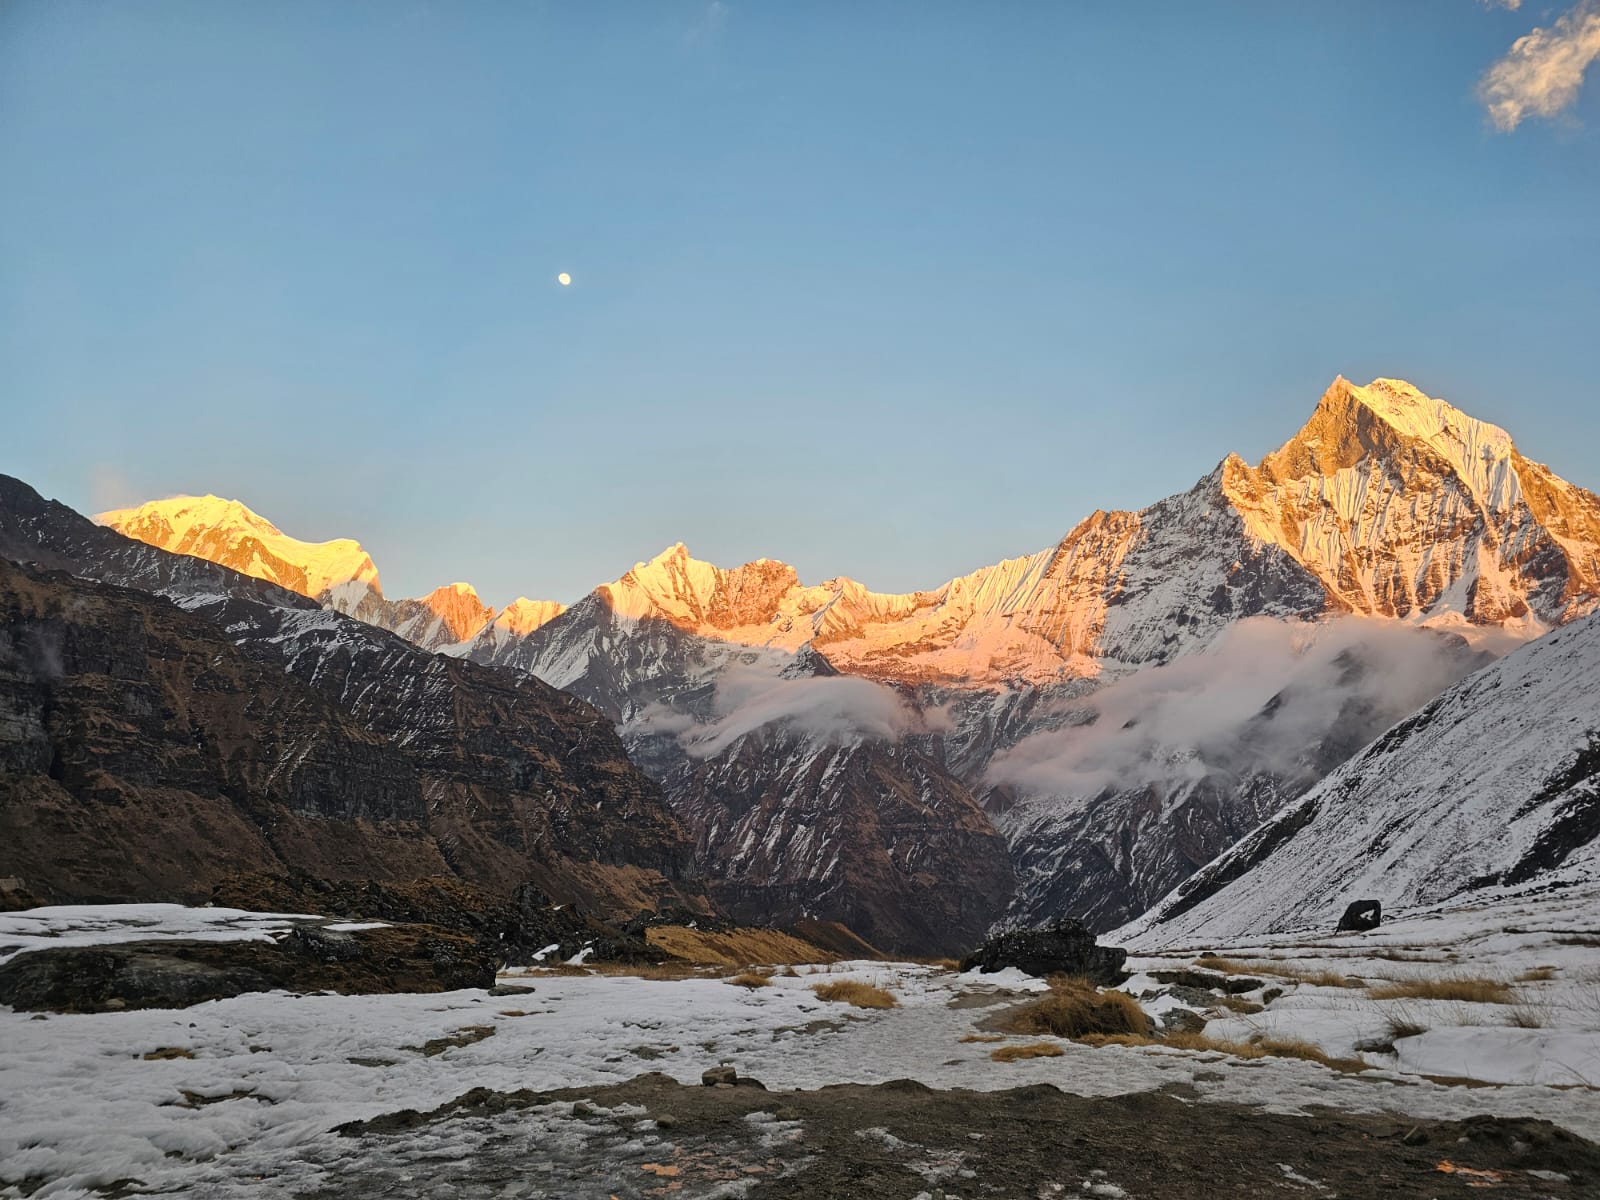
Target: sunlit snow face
563, 279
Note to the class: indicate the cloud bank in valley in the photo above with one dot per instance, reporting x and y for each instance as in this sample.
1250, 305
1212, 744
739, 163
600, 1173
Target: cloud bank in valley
1542, 74
1206, 712
837, 709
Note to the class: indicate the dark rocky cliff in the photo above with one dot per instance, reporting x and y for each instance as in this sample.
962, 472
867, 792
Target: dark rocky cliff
239, 725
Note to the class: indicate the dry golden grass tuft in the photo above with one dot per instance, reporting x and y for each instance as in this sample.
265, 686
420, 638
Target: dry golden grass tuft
1466, 989
850, 991
1316, 976
984, 1037
1529, 1016
1261, 1047
1033, 1050
735, 947
1073, 1008
672, 969
1240, 1005
750, 979
1224, 966
1537, 975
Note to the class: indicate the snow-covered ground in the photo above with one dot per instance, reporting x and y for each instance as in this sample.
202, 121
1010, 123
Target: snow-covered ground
245, 1100
104, 924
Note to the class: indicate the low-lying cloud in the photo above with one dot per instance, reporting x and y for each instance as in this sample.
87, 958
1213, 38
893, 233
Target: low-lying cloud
839, 709
1204, 713
1542, 74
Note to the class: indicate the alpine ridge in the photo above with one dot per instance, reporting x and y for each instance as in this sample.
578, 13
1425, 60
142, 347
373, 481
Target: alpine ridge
1391, 509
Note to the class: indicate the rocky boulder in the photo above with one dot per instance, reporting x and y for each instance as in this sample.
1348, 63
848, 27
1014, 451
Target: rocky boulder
1064, 948
1360, 916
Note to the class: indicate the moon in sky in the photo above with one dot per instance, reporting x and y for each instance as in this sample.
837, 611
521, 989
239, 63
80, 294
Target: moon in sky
563, 279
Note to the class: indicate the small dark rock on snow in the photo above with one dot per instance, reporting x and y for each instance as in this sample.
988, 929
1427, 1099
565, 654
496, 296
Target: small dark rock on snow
1360, 916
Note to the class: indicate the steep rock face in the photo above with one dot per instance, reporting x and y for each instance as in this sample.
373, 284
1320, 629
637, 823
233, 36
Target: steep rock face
521, 782
513, 623
143, 754
868, 833
1492, 786
444, 617
789, 820
1403, 506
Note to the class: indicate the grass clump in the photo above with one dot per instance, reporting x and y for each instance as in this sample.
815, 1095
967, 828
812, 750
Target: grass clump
750, 979
984, 1037
672, 969
861, 995
1260, 1047
1537, 975
1465, 989
1315, 976
1033, 1050
1529, 1016
1075, 1009
1224, 966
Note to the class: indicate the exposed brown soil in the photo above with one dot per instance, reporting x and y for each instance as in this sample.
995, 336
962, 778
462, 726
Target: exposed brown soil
900, 1139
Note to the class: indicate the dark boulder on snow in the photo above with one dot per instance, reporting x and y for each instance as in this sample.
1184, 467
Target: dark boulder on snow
1360, 916
1064, 948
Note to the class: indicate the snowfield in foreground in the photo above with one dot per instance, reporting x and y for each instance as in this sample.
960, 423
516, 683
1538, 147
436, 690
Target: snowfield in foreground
248, 1091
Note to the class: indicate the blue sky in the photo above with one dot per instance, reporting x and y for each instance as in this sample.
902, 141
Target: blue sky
886, 290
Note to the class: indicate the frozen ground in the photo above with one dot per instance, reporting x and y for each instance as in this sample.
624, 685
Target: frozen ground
248, 1090
98, 925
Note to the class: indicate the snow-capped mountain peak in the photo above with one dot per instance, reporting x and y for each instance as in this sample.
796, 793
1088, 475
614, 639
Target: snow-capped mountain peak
1401, 505
229, 533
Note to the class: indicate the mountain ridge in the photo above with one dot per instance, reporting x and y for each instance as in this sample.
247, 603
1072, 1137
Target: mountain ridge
1387, 505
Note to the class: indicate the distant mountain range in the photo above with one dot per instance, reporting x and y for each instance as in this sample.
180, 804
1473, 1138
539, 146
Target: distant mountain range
1077, 730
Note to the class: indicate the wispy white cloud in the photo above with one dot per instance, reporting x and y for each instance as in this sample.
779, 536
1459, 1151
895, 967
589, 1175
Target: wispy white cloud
833, 710
1264, 694
1542, 73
